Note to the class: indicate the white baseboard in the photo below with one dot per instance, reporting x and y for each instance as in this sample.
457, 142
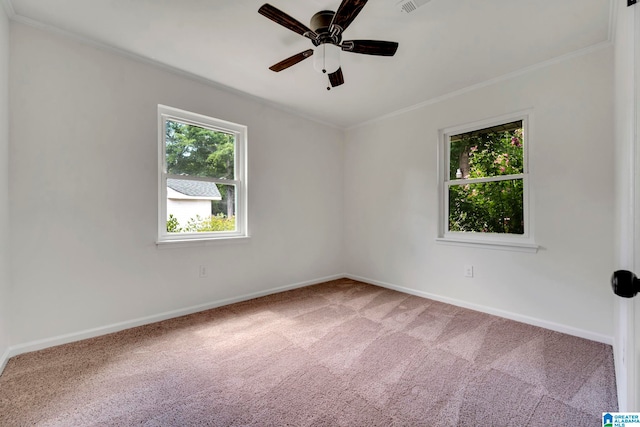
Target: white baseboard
115, 327
4, 359
558, 327
103, 330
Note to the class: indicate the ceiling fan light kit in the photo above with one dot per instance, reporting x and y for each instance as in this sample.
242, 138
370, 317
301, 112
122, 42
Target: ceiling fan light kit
325, 32
326, 58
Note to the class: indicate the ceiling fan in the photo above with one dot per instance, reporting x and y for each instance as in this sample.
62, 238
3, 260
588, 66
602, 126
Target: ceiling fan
326, 35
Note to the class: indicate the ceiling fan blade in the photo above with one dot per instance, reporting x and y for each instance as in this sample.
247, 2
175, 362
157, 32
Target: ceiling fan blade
346, 13
370, 47
336, 78
293, 60
279, 17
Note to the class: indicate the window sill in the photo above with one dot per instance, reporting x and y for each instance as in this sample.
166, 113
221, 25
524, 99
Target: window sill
490, 244
209, 241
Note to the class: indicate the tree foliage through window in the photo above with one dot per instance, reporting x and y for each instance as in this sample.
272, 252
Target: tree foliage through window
486, 170
200, 152
197, 151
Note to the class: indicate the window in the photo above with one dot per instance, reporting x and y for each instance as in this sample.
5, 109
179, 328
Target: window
202, 178
484, 184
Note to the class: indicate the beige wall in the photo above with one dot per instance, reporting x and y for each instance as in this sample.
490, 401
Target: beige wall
321, 201
391, 201
84, 195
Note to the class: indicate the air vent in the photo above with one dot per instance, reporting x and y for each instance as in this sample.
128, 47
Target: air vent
408, 6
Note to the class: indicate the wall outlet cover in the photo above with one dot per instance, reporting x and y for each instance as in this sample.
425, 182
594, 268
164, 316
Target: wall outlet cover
468, 271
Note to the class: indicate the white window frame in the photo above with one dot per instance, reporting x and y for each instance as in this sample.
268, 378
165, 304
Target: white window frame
524, 242
165, 114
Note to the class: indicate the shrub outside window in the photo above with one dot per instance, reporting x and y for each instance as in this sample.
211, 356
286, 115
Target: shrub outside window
202, 177
484, 183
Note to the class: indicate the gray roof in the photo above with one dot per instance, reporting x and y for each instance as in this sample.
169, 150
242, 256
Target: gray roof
194, 188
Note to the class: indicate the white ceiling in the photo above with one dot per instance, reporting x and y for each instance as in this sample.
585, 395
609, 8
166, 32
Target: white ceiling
445, 45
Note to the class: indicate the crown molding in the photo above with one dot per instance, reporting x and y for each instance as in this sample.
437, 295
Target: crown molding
168, 68
435, 100
613, 7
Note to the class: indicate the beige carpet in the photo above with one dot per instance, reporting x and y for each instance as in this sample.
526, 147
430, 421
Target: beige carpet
342, 353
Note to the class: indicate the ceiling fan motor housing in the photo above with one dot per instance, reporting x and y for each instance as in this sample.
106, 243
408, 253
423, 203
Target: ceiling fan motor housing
325, 32
320, 23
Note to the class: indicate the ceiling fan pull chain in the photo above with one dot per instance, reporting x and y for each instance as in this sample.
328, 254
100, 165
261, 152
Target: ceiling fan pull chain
324, 58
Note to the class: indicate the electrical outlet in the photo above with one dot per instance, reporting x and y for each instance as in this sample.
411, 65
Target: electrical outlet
202, 271
468, 271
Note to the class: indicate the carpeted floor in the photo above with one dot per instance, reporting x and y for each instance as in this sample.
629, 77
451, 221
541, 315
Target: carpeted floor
342, 353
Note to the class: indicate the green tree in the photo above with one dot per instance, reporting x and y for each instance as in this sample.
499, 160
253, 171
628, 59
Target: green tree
494, 207
197, 151
172, 224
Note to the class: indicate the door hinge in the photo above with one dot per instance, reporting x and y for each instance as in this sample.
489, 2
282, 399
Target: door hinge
631, 2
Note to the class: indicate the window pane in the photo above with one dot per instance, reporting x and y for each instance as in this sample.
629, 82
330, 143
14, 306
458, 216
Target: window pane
197, 151
200, 206
493, 151
488, 207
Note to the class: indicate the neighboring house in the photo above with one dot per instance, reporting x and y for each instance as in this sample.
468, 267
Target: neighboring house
187, 199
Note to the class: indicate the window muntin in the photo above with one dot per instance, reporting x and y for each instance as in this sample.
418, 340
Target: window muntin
485, 193
202, 179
